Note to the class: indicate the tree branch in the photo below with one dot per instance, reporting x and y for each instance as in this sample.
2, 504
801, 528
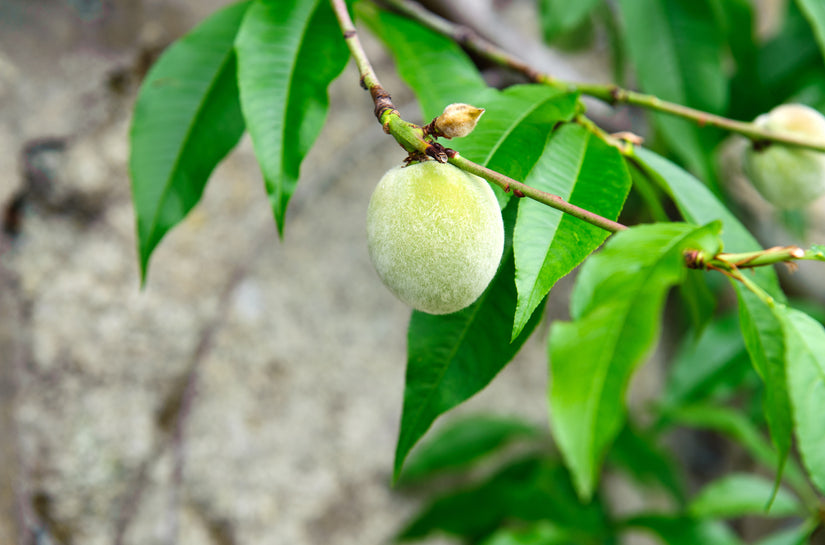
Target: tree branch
609, 93
411, 137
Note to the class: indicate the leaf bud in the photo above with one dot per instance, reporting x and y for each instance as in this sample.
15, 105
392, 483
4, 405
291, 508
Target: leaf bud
457, 120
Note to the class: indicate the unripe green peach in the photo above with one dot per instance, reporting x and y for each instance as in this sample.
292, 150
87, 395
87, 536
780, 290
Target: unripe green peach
785, 176
435, 235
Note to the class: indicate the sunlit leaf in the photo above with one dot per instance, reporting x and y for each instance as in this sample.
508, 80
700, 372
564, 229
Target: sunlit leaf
186, 119
582, 169
616, 310
805, 340
288, 53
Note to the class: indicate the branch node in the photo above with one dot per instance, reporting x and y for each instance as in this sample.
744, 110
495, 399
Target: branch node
695, 259
518, 193
437, 152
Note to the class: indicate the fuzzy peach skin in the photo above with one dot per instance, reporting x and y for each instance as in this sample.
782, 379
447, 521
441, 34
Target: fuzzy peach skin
435, 235
788, 177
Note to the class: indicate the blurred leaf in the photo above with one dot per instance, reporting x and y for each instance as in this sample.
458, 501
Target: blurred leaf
186, 119
714, 363
676, 48
434, 66
736, 426
697, 299
806, 382
452, 357
762, 330
511, 135
527, 490
462, 442
559, 16
791, 536
737, 494
814, 11
582, 169
288, 53
736, 20
642, 457
541, 533
616, 307
787, 61
685, 531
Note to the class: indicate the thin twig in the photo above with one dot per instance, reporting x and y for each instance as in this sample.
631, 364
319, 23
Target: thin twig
411, 137
610, 93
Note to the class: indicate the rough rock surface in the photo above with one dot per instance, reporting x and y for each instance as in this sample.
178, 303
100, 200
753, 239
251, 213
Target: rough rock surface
251, 392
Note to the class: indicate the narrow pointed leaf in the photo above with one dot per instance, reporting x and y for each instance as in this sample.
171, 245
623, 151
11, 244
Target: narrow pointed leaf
452, 357
558, 16
462, 443
582, 169
527, 490
187, 118
806, 380
511, 134
760, 326
616, 307
814, 11
698, 205
676, 48
288, 53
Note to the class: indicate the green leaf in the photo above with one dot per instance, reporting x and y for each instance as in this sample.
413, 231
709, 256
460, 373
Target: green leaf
186, 119
559, 16
435, 67
712, 365
540, 533
530, 489
640, 455
698, 299
735, 495
805, 361
736, 426
762, 330
582, 169
616, 307
698, 205
451, 357
463, 442
288, 53
511, 135
676, 48
685, 531
760, 327
814, 11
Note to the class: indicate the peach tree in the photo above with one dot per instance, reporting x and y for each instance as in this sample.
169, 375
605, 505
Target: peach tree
566, 187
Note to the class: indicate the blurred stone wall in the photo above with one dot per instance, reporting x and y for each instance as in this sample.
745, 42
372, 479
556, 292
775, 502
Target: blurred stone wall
251, 392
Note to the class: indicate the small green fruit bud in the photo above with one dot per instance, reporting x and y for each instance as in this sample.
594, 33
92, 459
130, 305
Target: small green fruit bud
435, 235
457, 120
785, 176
